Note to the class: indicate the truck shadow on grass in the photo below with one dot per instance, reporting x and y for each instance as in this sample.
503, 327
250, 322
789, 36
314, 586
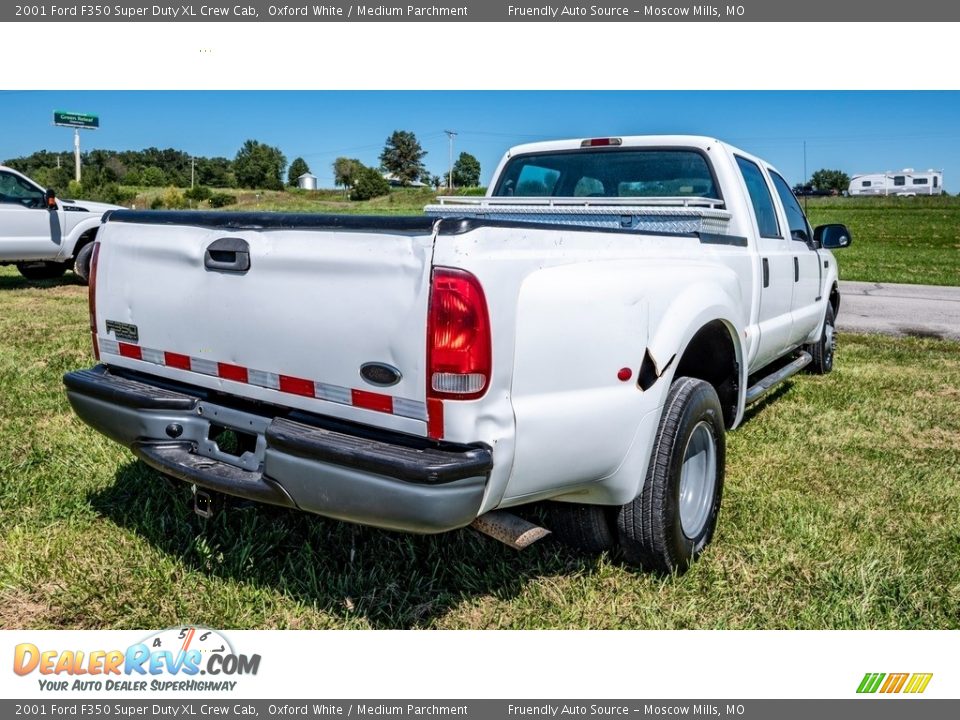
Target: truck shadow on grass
18, 282
361, 576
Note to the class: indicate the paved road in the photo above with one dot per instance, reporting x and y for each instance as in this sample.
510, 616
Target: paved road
917, 310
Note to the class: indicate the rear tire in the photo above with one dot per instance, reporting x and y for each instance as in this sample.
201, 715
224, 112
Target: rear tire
671, 521
42, 270
823, 350
81, 263
585, 528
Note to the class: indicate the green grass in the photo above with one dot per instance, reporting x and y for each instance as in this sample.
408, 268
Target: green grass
898, 240
840, 511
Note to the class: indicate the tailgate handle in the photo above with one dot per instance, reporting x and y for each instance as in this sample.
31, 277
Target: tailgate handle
227, 254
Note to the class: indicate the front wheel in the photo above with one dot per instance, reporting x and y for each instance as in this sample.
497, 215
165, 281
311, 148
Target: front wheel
823, 350
671, 521
81, 263
42, 270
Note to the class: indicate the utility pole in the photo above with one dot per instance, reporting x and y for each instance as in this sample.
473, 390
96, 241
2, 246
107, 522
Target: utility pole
76, 153
193, 164
450, 134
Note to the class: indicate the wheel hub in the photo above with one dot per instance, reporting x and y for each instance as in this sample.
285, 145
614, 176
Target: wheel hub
698, 479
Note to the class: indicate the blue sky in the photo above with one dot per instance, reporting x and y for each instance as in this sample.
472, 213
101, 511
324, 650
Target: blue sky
853, 131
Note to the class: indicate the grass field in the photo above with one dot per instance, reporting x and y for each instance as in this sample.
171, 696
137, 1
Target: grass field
840, 511
900, 240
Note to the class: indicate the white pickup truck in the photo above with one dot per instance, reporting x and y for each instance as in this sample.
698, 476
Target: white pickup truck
586, 333
43, 235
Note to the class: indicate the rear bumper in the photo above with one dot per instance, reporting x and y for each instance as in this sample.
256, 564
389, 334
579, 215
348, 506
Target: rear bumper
319, 465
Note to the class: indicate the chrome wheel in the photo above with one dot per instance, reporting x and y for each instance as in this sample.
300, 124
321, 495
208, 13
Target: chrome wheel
829, 343
698, 477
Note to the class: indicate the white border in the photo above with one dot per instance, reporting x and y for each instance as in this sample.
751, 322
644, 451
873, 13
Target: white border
457, 56
634, 664
530, 664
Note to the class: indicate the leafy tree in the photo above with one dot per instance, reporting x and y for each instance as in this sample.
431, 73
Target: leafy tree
153, 176
297, 168
369, 184
402, 156
830, 180
198, 193
215, 172
220, 199
346, 171
258, 165
466, 171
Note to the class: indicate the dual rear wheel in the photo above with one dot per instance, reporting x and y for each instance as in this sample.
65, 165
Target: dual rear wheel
673, 518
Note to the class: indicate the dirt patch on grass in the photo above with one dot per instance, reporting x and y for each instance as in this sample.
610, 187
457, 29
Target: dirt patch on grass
20, 608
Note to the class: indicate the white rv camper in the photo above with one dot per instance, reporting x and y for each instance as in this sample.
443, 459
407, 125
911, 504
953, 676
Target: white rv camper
906, 182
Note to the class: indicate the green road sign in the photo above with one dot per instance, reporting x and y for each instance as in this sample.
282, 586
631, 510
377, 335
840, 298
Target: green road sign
76, 120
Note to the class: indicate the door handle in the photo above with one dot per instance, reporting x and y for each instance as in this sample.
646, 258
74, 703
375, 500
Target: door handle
227, 254
766, 273
796, 269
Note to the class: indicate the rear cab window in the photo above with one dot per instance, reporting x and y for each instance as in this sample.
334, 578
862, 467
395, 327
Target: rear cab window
760, 198
615, 173
796, 220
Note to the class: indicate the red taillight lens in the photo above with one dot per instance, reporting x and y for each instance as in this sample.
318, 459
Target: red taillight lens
92, 298
458, 337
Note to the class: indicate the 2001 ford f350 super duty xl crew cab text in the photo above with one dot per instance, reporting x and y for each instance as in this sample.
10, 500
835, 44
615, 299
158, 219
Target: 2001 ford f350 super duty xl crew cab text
586, 333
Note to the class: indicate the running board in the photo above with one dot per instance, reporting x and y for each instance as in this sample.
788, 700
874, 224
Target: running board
765, 385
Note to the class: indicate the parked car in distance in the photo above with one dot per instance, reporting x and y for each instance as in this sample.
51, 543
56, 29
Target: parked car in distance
585, 334
43, 235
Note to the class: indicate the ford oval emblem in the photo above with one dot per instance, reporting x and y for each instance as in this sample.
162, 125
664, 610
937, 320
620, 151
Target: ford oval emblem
380, 374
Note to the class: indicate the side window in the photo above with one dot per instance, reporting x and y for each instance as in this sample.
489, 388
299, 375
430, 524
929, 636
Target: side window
899, 180
761, 198
795, 217
867, 183
16, 191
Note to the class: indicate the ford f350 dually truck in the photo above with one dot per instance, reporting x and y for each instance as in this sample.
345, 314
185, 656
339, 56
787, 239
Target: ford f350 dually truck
43, 235
585, 334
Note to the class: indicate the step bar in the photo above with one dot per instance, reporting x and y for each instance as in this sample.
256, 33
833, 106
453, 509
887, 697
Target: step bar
766, 384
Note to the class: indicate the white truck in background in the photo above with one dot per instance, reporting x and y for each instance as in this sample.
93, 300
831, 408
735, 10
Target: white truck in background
585, 334
43, 235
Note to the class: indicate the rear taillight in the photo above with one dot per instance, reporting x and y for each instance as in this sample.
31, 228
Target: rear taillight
458, 337
92, 298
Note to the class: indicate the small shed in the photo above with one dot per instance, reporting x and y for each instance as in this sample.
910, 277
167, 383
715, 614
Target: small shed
307, 182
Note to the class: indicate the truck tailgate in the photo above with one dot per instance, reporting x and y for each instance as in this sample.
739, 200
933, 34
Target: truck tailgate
323, 296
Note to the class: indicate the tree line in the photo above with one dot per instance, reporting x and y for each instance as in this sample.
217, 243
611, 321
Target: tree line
256, 165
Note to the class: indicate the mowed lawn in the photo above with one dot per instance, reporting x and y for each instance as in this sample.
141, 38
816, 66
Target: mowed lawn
840, 511
897, 240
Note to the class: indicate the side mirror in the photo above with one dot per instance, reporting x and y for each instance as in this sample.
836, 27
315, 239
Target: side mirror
51, 199
833, 236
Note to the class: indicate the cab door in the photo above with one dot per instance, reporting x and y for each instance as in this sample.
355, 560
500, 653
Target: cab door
776, 267
805, 306
28, 230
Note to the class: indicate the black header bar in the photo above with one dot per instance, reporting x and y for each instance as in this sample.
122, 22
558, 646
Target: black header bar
486, 11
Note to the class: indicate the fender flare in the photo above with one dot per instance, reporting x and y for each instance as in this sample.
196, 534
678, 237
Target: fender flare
684, 318
69, 248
